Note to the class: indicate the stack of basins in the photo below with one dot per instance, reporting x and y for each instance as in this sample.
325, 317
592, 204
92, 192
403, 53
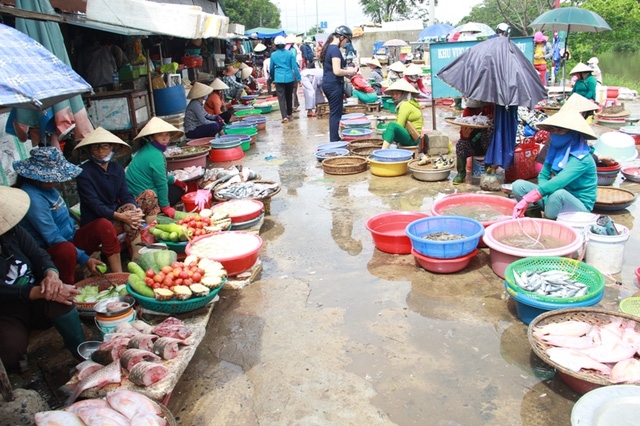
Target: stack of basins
608, 174
245, 140
228, 149
389, 162
545, 283
355, 126
259, 120
444, 244
243, 128
330, 150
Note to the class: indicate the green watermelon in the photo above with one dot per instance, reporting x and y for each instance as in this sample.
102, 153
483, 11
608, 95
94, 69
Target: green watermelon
157, 259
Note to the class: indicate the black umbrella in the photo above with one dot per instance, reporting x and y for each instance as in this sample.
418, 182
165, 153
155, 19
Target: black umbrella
495, 71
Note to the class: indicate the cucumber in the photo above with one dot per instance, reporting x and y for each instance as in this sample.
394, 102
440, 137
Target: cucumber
134, 268
182, 215
139, 286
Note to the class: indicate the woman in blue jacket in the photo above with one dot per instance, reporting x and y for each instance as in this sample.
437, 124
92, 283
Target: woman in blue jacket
284, 72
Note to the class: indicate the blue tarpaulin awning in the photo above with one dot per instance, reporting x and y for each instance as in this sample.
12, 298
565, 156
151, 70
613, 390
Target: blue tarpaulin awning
261, 32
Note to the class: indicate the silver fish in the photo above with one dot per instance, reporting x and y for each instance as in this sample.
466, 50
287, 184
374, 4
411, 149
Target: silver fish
109, 374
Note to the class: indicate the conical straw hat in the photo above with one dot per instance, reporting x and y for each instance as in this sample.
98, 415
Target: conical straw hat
158, 125
218, 85
401, 85
579, 103
581, 67
568, 119
246, 72
199, 90
14, 204
413, 69
101, 135
260, 48
397, 67
374, 61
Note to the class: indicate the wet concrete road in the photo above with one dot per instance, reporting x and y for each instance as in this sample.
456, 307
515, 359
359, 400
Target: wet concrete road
335, 332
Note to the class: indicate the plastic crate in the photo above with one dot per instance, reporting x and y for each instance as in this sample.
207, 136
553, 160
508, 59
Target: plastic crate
524, 162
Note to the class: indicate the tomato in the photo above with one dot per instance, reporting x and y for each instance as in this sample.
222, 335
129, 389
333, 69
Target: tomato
150, 273
168, 281
167, 269
196, 277
149, 281
176, 272
199, 225
206, 221
184, 275
158, 278
181, 222
155, 285
200, 271
178, 281
176, 264
187, 282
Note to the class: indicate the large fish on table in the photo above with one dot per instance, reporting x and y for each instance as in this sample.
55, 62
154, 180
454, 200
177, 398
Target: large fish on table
168, 347
87, 368
109, 374
142, 341
147, 373
131, 357
172, 327
131, 403
57, 418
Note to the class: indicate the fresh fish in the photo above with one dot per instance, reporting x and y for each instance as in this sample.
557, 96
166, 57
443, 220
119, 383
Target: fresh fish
575, 360
106, 416
87, 404
550, 283
168, 347
126, 328
87, 368
141, 326
130, 403
142, 341
104, 376
611, 352
147, 373
573, 342
626, 371
110, 351
172, 327
565, 328
145, 419
57, 418
131, 357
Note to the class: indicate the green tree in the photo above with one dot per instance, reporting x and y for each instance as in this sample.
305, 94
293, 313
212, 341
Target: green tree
315, 30
394, 10
517, 13
252, 13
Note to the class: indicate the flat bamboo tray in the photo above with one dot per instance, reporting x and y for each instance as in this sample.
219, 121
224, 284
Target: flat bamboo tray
365, 150
347, 165
472, 126
611, 199
190, 151
593, 316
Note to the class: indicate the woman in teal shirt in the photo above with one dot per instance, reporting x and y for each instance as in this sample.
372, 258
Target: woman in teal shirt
586, 83
568, 180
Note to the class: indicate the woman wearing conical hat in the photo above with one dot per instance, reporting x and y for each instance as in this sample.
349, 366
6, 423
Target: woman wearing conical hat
103, 189
215, 103
568, 180
197, 122
408, 111
32, 294
148, 168
585, 83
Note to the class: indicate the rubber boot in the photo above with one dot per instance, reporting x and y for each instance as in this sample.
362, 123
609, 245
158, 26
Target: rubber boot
69, 327
461, 167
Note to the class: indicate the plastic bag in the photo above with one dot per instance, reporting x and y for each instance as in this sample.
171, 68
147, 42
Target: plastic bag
491, 182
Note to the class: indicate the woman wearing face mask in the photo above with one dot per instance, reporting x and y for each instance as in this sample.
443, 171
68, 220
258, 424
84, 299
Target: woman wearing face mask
103, 188
197, 122
148, 168
334, 66
568, 180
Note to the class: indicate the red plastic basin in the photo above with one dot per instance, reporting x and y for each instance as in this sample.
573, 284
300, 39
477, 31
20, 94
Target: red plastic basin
501, 204
444, 266
241, 210
236, 250
200, 142
226, 154
387, 230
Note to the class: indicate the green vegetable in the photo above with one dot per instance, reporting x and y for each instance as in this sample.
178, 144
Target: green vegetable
134, 268
157, 259
101, 268
139, 286
181, 215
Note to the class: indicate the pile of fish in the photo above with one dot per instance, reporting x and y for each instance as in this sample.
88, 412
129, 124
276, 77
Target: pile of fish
438, 163
550, 283
610, 349
137, 347
476, 120
121, 407
443, 236
246, 190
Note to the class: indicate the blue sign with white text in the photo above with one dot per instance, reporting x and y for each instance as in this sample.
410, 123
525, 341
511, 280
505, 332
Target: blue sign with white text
442, 54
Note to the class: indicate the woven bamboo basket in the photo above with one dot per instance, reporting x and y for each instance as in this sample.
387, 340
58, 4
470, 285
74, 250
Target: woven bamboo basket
103, 282
348, 165
593, 316
365, 143
609, 198
365, 150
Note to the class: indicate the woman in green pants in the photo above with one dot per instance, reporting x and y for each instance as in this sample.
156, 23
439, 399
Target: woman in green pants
408, 111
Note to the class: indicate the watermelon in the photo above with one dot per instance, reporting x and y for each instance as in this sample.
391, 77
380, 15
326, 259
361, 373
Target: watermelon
157, 259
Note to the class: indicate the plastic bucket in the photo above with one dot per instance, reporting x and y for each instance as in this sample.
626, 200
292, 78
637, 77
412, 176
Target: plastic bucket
578, 221
477, 167
108, 325
189, 201
170, 100
605, 252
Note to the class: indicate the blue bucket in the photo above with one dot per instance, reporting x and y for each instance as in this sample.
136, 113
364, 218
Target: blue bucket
171, 100
477, 167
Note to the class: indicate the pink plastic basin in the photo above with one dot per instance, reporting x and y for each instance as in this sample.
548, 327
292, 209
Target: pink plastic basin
503, 205
237, 256
387, 230
444, 266
502, 255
